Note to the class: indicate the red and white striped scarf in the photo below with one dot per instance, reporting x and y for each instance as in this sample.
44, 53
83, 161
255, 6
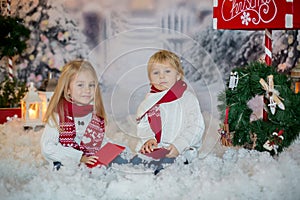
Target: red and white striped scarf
94, 133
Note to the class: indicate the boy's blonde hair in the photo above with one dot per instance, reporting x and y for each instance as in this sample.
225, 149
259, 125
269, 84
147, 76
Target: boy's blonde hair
163, 56
69, 71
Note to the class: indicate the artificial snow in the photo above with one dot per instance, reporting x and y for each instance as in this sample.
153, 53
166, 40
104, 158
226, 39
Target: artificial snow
230, 173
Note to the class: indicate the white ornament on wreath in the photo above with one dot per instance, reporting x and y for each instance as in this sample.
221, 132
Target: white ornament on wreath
272, 145
233, 81
272, 94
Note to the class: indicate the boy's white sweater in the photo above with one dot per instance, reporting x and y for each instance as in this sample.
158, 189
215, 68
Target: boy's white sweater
182, 122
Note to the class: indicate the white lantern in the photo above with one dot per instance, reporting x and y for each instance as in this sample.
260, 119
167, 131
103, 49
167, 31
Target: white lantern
31, 106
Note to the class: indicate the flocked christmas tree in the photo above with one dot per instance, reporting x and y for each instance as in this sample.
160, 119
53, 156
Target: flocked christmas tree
226, 48
234, 48
13, 37
286, 52
55, 39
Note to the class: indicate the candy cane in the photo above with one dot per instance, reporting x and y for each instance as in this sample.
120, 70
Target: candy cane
10, 69
10, 63
268, 46
268, 60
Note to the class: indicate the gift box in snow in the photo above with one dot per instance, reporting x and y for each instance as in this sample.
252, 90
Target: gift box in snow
256, 14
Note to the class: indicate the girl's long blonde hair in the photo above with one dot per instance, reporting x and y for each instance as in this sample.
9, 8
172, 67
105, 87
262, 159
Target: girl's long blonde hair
69, 71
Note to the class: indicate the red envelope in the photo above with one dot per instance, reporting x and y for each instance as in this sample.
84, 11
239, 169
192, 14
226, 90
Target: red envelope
158, 153
107, 153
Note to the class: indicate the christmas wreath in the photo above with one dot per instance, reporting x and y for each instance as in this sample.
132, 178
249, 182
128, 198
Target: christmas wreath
281, 122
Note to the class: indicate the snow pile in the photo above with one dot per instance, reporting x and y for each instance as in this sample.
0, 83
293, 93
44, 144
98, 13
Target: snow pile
237, 174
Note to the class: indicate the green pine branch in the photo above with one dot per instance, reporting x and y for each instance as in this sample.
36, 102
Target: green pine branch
13, 36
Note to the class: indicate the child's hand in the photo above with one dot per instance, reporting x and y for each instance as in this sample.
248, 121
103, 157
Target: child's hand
89, 159
148, 146
173, 151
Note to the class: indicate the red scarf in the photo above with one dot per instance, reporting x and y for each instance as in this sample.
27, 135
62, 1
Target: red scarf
153, 113
94, 133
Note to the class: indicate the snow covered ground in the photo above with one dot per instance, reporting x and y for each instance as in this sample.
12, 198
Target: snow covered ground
218, 173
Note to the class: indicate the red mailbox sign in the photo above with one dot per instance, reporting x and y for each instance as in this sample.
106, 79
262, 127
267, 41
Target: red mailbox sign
256, 14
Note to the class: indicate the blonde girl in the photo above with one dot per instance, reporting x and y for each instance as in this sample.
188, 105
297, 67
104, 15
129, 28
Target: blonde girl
75, 117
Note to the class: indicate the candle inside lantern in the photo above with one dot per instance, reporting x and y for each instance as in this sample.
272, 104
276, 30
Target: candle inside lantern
33, 111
